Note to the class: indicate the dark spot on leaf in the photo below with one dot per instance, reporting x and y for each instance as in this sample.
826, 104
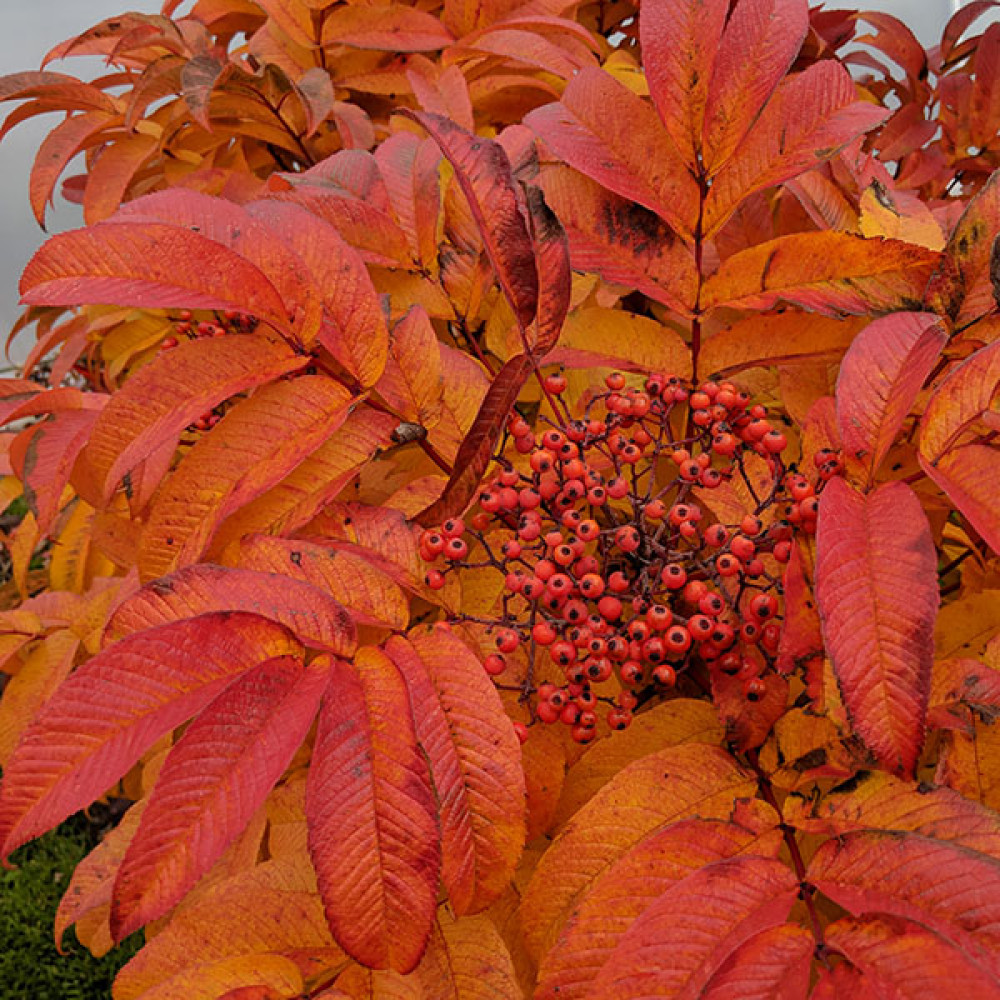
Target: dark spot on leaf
296, 557
923, 788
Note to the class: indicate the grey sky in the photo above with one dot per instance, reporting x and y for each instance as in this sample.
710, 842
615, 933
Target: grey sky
32, 27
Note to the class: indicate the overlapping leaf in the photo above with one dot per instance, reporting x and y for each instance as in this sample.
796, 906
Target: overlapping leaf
304, 609
373, 829
238, 747
172, 392
475, 765
260, 441
119, 703
880, 376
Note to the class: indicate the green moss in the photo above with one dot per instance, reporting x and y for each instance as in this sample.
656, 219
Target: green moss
30, 966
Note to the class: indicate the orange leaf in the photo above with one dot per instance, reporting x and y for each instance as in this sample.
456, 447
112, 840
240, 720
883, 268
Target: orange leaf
212, 783
260, 927
411, 383
686, 935
109, 178
759, 44
880, 376
620, 240
122, 701
680, 720
149, 265
305, 610
366, 590
258, 442
644, 797
593, 337
875, 800
810, 118
613, 137
171, 392
373, 830
876, 586
680, 42
618, 898
57, 149
392, 28
825, 272
777, 338
475, 763
963, 287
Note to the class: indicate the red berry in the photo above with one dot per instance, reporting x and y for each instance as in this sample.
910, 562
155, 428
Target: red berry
521, 731
434, 579
556, 384
495, 664
455, 549
610, 608
627, 538
665, 674
543, 633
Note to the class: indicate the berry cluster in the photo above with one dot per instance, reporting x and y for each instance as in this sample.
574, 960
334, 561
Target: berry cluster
613, 568
221, 325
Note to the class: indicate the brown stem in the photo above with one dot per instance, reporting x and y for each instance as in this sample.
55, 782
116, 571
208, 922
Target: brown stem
806, 889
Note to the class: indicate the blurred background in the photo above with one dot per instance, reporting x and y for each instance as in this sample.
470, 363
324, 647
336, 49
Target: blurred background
32, 27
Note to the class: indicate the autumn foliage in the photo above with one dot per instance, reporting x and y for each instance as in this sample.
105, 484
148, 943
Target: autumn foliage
512, 497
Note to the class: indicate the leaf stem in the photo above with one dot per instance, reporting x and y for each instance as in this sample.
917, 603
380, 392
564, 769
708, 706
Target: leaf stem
806, 889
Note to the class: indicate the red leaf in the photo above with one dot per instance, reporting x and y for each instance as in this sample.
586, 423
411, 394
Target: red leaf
683, 939
963, 287
173, 391
475, 762
48, 461
354, 329
612, 136
307, 611
810, 118
967, 473
680, 41
477, 446
910, 961
409, 168
759, 44
104, 717
801, 642
373, 833
224, 222
213, 781
876, 585
951, 891
149, 265
484, 173
881, 374
555, 277
772, 965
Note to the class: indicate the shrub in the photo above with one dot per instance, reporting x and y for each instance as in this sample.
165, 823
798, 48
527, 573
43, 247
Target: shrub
521, 491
